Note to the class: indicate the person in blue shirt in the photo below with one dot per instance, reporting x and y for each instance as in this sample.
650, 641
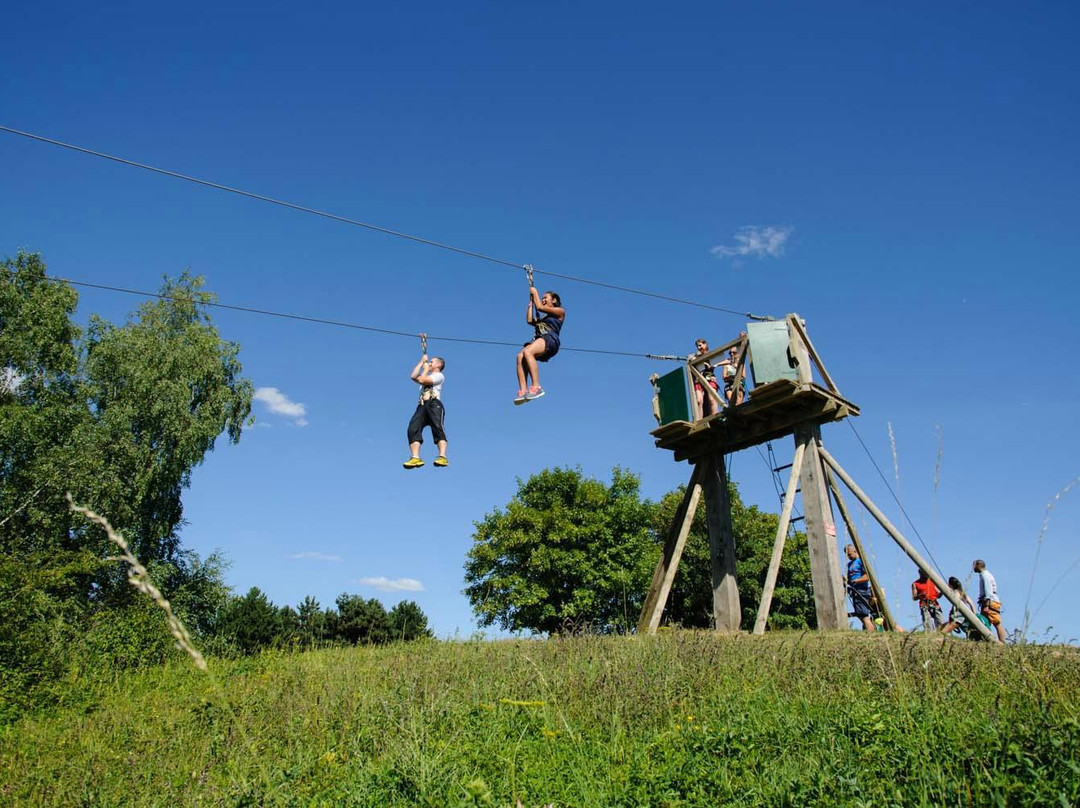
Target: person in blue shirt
858, 584
544, 345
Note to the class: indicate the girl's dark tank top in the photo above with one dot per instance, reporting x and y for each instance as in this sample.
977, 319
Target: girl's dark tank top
548, 324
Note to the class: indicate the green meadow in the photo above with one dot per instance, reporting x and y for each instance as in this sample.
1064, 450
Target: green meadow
683, 718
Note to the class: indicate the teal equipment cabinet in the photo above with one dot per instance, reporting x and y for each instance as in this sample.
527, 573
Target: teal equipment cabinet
770, 352
674, 397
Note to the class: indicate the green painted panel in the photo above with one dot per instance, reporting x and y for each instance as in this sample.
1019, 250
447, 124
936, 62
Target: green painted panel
769, 355
674, 400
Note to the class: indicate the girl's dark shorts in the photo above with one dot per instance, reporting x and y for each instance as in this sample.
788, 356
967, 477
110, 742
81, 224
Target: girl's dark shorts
551, 347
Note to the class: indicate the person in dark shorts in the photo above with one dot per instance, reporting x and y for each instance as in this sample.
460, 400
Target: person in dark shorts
429, 411
858, 584
544, 345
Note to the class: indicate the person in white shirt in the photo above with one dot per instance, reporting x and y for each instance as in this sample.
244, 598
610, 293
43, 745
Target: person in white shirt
429, 411
989, 604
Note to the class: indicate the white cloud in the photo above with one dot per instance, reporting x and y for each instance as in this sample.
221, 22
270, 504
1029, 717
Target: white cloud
384, 584
758, 242
279, 404
317, 556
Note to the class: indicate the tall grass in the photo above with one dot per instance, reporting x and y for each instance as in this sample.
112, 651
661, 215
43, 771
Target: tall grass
684, 718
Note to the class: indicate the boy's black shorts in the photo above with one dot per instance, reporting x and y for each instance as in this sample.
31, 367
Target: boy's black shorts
428, 413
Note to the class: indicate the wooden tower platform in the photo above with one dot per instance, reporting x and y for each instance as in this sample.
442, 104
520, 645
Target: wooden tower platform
772, 411
792, 394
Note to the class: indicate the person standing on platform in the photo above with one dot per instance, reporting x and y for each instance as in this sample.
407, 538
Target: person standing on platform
734, 397
989, 602
429, 411
858, 584
706, 404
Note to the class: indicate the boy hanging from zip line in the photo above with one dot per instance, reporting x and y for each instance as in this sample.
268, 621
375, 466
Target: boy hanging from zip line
544, 345
429, 411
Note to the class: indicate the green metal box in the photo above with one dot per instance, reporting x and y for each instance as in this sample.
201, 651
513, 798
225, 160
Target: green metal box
769, 352
674, 397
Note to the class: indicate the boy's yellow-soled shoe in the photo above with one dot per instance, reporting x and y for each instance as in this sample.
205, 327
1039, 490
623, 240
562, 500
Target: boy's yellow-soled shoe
413, 463
441, 461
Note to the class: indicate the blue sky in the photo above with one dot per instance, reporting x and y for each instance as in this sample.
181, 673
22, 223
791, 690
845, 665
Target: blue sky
916, 164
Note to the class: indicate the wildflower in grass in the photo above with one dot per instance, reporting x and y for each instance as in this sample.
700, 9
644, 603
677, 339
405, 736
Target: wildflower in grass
516, 703
549, 733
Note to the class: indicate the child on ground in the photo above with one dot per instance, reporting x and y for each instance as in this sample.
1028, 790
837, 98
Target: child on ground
956, 617
926, 593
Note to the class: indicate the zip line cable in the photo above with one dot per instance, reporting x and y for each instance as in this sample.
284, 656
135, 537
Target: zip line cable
898, 502
377, 228
343, 324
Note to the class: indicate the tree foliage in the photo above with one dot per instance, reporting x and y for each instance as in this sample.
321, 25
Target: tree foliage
567, 552
690, 602
118, 416
570, 552
361, 621
408, 622
252, 622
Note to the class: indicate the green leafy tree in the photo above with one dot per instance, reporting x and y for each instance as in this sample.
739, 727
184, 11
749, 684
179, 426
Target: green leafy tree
690, 601
567, 552
118, 416
361, 621
252, 622
311, 621
408, 622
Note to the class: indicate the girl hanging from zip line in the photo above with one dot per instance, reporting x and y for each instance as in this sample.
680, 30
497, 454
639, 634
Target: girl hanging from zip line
544, 345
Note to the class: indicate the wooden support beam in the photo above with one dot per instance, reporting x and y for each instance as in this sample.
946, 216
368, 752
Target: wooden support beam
778, 545
875, 586
739, 342
796, 323
697, 375
820, 533
666, 567
737, 380
727, 611
905, 545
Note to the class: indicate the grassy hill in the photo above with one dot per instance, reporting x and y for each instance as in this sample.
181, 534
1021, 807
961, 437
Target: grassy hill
685, 718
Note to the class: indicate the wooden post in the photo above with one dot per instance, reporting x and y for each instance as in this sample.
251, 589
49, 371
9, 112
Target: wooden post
778, 545
727, 610
664, 574
905, 545
696, 375
820, 533
796, 324
879, 593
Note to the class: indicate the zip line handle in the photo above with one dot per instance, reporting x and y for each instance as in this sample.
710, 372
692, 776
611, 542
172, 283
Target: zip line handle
529, 274
423, 344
